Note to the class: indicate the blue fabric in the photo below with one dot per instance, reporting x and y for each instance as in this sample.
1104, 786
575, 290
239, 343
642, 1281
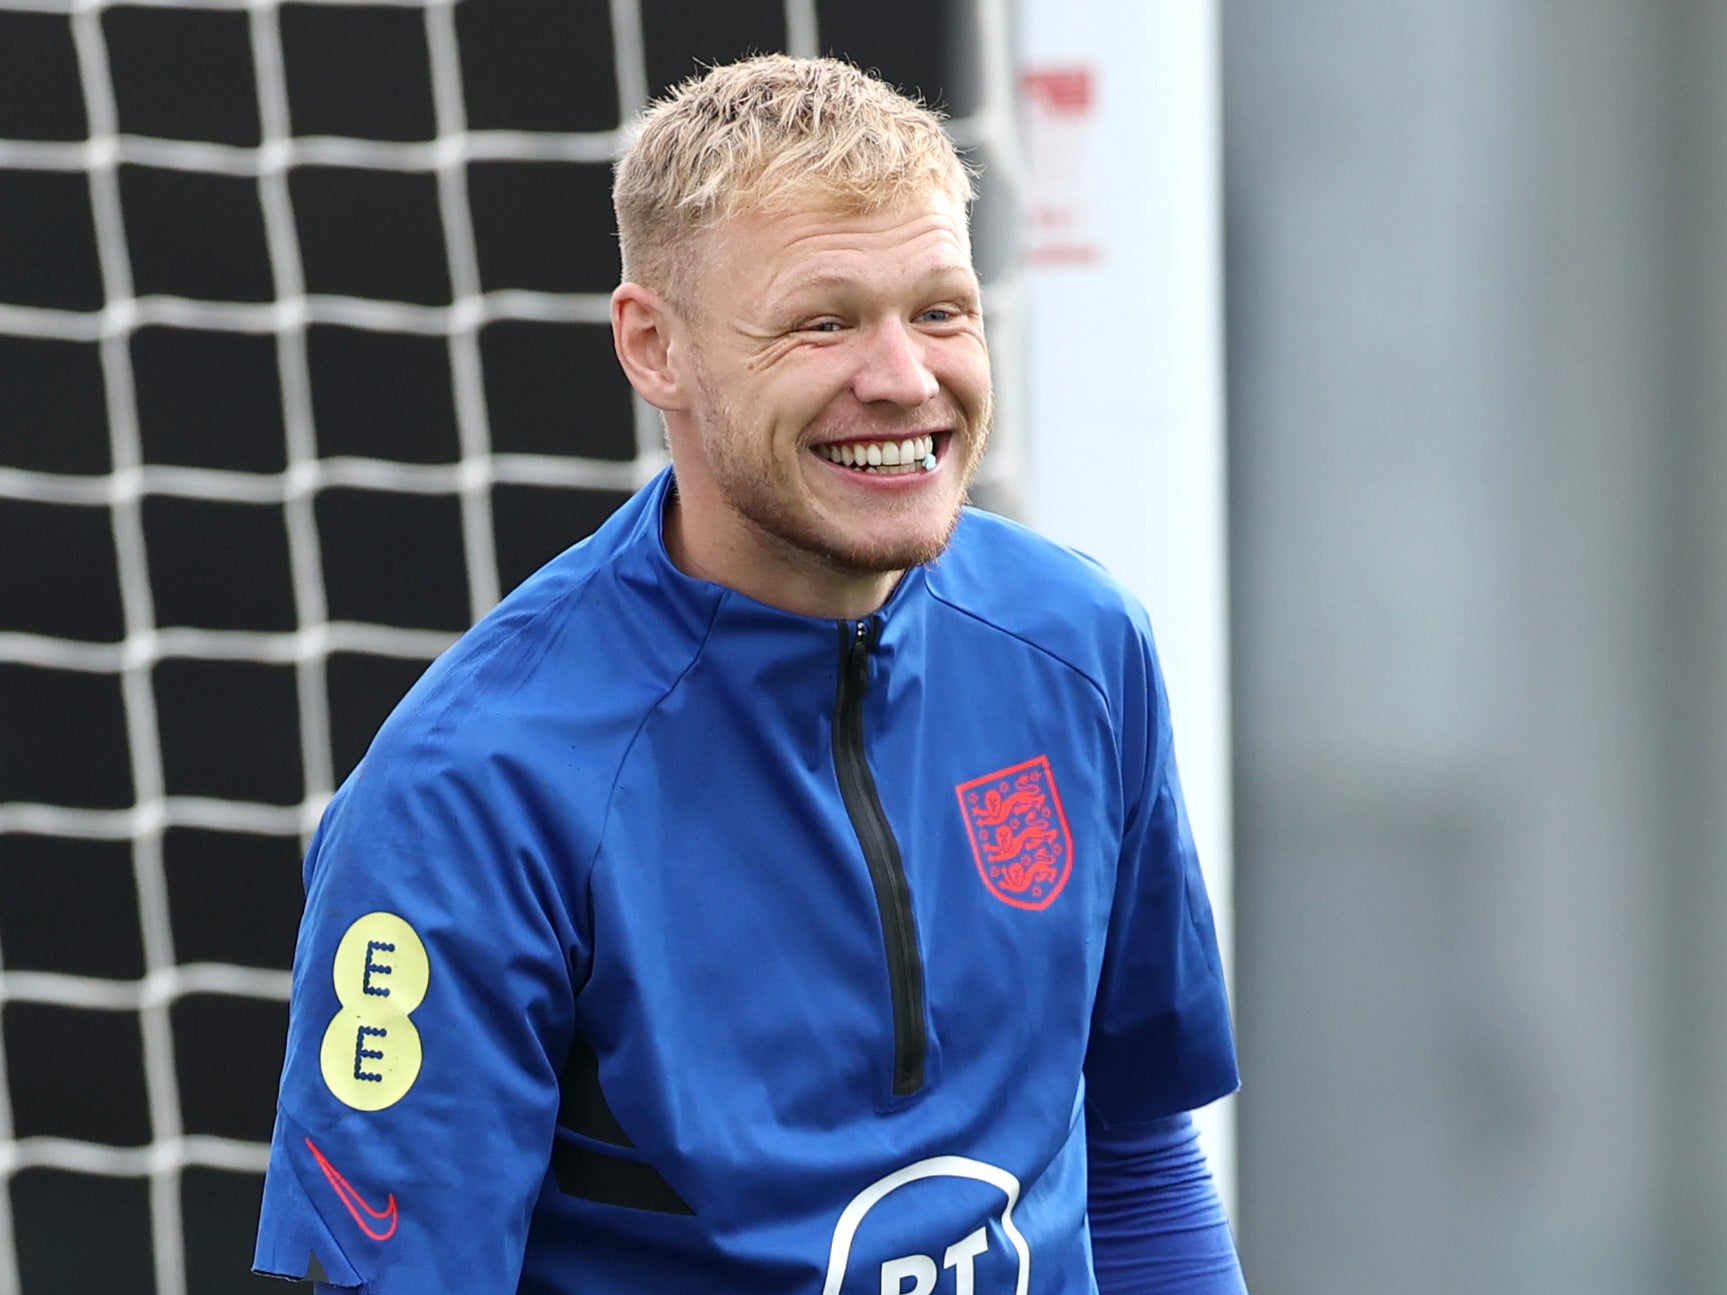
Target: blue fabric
1157, 1226
612, 818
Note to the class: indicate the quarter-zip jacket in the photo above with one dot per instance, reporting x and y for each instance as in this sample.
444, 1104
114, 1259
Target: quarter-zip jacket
665, 941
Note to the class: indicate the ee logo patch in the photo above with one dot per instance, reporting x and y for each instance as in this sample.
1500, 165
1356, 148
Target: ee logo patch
371, 1053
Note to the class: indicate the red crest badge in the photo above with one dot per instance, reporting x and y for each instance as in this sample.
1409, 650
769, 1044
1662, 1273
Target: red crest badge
1018, 833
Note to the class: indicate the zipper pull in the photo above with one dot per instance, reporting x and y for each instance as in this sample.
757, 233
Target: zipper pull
857, 655
864, 636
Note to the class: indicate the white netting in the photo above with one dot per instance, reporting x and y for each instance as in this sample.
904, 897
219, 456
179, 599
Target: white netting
298, 482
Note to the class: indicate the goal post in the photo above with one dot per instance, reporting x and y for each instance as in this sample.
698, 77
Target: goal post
1124, 379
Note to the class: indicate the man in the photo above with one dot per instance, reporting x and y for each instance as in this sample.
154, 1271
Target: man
786, 887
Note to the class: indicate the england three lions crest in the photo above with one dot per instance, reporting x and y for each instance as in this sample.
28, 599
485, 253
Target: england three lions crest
1018, 833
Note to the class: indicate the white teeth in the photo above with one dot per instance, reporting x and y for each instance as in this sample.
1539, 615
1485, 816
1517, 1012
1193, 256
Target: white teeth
906, 455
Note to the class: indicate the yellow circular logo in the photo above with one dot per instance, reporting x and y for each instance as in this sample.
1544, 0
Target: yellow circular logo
371, 1053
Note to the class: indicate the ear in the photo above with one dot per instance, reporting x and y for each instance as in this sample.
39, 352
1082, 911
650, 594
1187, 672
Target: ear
643, 331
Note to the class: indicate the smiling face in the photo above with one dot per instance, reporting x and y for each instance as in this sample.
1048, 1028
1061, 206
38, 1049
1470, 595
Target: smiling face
829, 401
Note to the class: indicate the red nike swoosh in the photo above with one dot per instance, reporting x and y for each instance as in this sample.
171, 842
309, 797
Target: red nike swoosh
351, 1198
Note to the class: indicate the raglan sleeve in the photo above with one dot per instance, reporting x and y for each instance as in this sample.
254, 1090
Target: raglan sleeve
1161, 1039
429, 1022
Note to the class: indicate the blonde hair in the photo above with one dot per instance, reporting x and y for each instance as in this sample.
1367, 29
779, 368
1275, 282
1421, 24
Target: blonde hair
768, 134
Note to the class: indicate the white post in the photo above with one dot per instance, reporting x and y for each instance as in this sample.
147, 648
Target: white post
1123, 347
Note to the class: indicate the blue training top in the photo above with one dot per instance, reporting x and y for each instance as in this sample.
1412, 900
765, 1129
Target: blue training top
665, 941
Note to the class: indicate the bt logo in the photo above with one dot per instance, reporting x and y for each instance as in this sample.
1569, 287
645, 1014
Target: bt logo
915, 1274
954, 1267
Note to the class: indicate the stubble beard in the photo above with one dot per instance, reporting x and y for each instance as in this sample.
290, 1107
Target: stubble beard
763, 491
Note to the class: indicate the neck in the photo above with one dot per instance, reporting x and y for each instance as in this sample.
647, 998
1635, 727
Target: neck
771, 571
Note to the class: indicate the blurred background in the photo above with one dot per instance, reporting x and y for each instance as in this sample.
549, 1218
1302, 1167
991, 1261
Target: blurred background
1477, 267
1413, 317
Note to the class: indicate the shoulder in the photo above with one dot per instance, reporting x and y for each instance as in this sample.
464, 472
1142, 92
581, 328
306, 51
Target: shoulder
564, 667
1013, 594
1029, 587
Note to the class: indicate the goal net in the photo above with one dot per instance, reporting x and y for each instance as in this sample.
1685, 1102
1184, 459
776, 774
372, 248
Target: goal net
303, 362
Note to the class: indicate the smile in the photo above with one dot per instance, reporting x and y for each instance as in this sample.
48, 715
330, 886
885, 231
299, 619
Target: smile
913, 454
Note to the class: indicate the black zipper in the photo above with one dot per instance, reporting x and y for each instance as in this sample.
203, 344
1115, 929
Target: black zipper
881, 854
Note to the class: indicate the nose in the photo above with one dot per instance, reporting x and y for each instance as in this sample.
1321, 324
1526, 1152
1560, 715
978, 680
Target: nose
894, 366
